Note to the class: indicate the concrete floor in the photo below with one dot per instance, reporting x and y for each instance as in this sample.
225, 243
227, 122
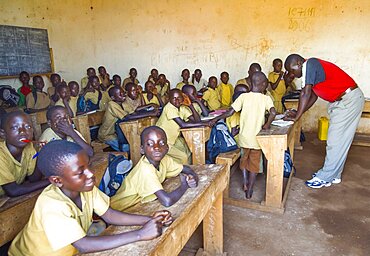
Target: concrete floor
327, 221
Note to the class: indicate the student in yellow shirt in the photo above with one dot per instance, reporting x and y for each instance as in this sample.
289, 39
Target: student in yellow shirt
37, 100
92, 94
64, 211
191, 92
89, 72
253, 106
277, 84
64, 94
185, 74
172, 120
132, 78
55, 79
233, 122
60, 128
104, 77
153, 77
18, 175
163, 87
144, 182
133, 101
211, 96
254, 67
114, 112
151, 95
74, 88
225, 90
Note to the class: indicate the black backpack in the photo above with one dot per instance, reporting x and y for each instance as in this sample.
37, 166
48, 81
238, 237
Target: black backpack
9, 96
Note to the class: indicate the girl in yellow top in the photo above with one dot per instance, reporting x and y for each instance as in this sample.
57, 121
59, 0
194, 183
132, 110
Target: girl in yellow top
211, 96
225, 90
151, 95
277, 84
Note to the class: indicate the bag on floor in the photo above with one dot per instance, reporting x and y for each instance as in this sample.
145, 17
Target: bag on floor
118, 169
288, 164
220, 141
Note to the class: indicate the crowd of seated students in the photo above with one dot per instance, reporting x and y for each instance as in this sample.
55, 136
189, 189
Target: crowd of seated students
63, 213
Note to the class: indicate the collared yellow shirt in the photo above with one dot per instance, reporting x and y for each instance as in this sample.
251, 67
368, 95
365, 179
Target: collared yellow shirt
197, 108
85, 80
234, 121
128, 80
72, 104
92, 96
253, 107
13, 171
212, 97
153, 100
143, 181
105, 98
167, 123
43, 100
130, 105
226, 92
49, 135
56, 222
113, 112
181, 84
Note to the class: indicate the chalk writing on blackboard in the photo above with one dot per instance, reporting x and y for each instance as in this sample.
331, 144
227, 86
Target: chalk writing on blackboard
23, 48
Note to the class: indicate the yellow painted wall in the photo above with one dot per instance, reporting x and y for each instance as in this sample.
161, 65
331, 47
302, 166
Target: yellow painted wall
212, 35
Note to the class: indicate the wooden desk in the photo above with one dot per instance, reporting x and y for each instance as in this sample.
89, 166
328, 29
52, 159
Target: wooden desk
14, 214
273, 143
289, 104
132, 131
196, 139
203, 203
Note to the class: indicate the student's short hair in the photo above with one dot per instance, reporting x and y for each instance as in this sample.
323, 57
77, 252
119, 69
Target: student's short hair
187, 88
54, 155
256, 66
172, 91
197, 70
132, 69
149, 129
90, 68
129, 85
100, 67
23, 73
185, 69
73, 82
258, 77
224, 72
6, 116
51, 110
35, 77
276, 60
53, 75
162, 75
116, 76
61, 86
112, 90
292, 58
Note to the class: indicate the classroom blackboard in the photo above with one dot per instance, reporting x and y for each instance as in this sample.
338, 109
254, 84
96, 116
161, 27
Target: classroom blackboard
23, 48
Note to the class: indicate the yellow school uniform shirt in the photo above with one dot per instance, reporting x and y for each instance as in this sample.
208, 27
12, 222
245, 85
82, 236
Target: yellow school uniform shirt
197, 109
56, 222
279, 92
153, 100
243, 81
49, 135
11, 170
143, 181
128, 80
162, 90
234, 121
252, 117
43, 100
105, 98
181, 84
226, 92
113, 112
130, 105
72, 104
92, 96
85, 80
51, 91
212, 97
167, 123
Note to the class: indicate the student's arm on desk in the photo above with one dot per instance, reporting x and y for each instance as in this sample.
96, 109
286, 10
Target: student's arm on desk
228, 113
141, 114
192, 175
184, 124
150, 230
306, 100
168, 199
32, 184
270, 119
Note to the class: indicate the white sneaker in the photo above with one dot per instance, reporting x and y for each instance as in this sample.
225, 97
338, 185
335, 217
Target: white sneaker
334, 181
317, 183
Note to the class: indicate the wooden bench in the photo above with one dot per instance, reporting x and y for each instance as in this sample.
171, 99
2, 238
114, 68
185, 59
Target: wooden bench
228, 159
14, 214
203, 203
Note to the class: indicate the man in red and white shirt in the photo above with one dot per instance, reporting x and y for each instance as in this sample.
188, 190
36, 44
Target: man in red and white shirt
346, 100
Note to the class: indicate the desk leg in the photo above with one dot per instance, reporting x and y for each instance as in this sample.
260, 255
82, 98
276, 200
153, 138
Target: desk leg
213, 229
298, 128
196, 143
274, 148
